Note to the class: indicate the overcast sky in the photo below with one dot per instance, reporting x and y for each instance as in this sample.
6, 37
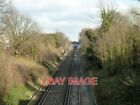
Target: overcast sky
69, 16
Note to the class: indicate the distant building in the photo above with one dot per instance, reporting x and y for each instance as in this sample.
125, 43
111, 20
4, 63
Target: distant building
4, 41
75, 45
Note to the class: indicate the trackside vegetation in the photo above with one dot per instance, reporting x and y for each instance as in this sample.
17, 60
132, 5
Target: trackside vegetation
26, 55
112, 52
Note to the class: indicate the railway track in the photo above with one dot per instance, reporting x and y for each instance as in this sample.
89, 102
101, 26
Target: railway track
54, 94
69, 94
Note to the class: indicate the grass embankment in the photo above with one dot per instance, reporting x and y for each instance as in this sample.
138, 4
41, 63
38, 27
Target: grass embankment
26, 55
18, 95
20, 79
111, 90
115, 48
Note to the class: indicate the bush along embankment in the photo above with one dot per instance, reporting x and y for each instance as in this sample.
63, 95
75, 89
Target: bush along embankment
113, 55
26, 56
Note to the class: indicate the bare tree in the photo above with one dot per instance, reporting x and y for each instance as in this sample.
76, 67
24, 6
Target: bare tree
4, 6
18, 29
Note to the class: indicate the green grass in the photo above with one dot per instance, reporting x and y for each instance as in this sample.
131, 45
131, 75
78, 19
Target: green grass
18, 95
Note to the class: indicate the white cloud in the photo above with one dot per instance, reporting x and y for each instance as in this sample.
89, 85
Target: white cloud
69, 16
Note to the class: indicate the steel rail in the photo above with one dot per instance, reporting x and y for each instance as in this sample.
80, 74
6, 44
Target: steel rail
68, 89
50, 88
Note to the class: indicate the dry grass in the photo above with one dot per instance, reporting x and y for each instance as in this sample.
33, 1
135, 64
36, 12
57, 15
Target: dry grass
15, 70
8, 74
26, 51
